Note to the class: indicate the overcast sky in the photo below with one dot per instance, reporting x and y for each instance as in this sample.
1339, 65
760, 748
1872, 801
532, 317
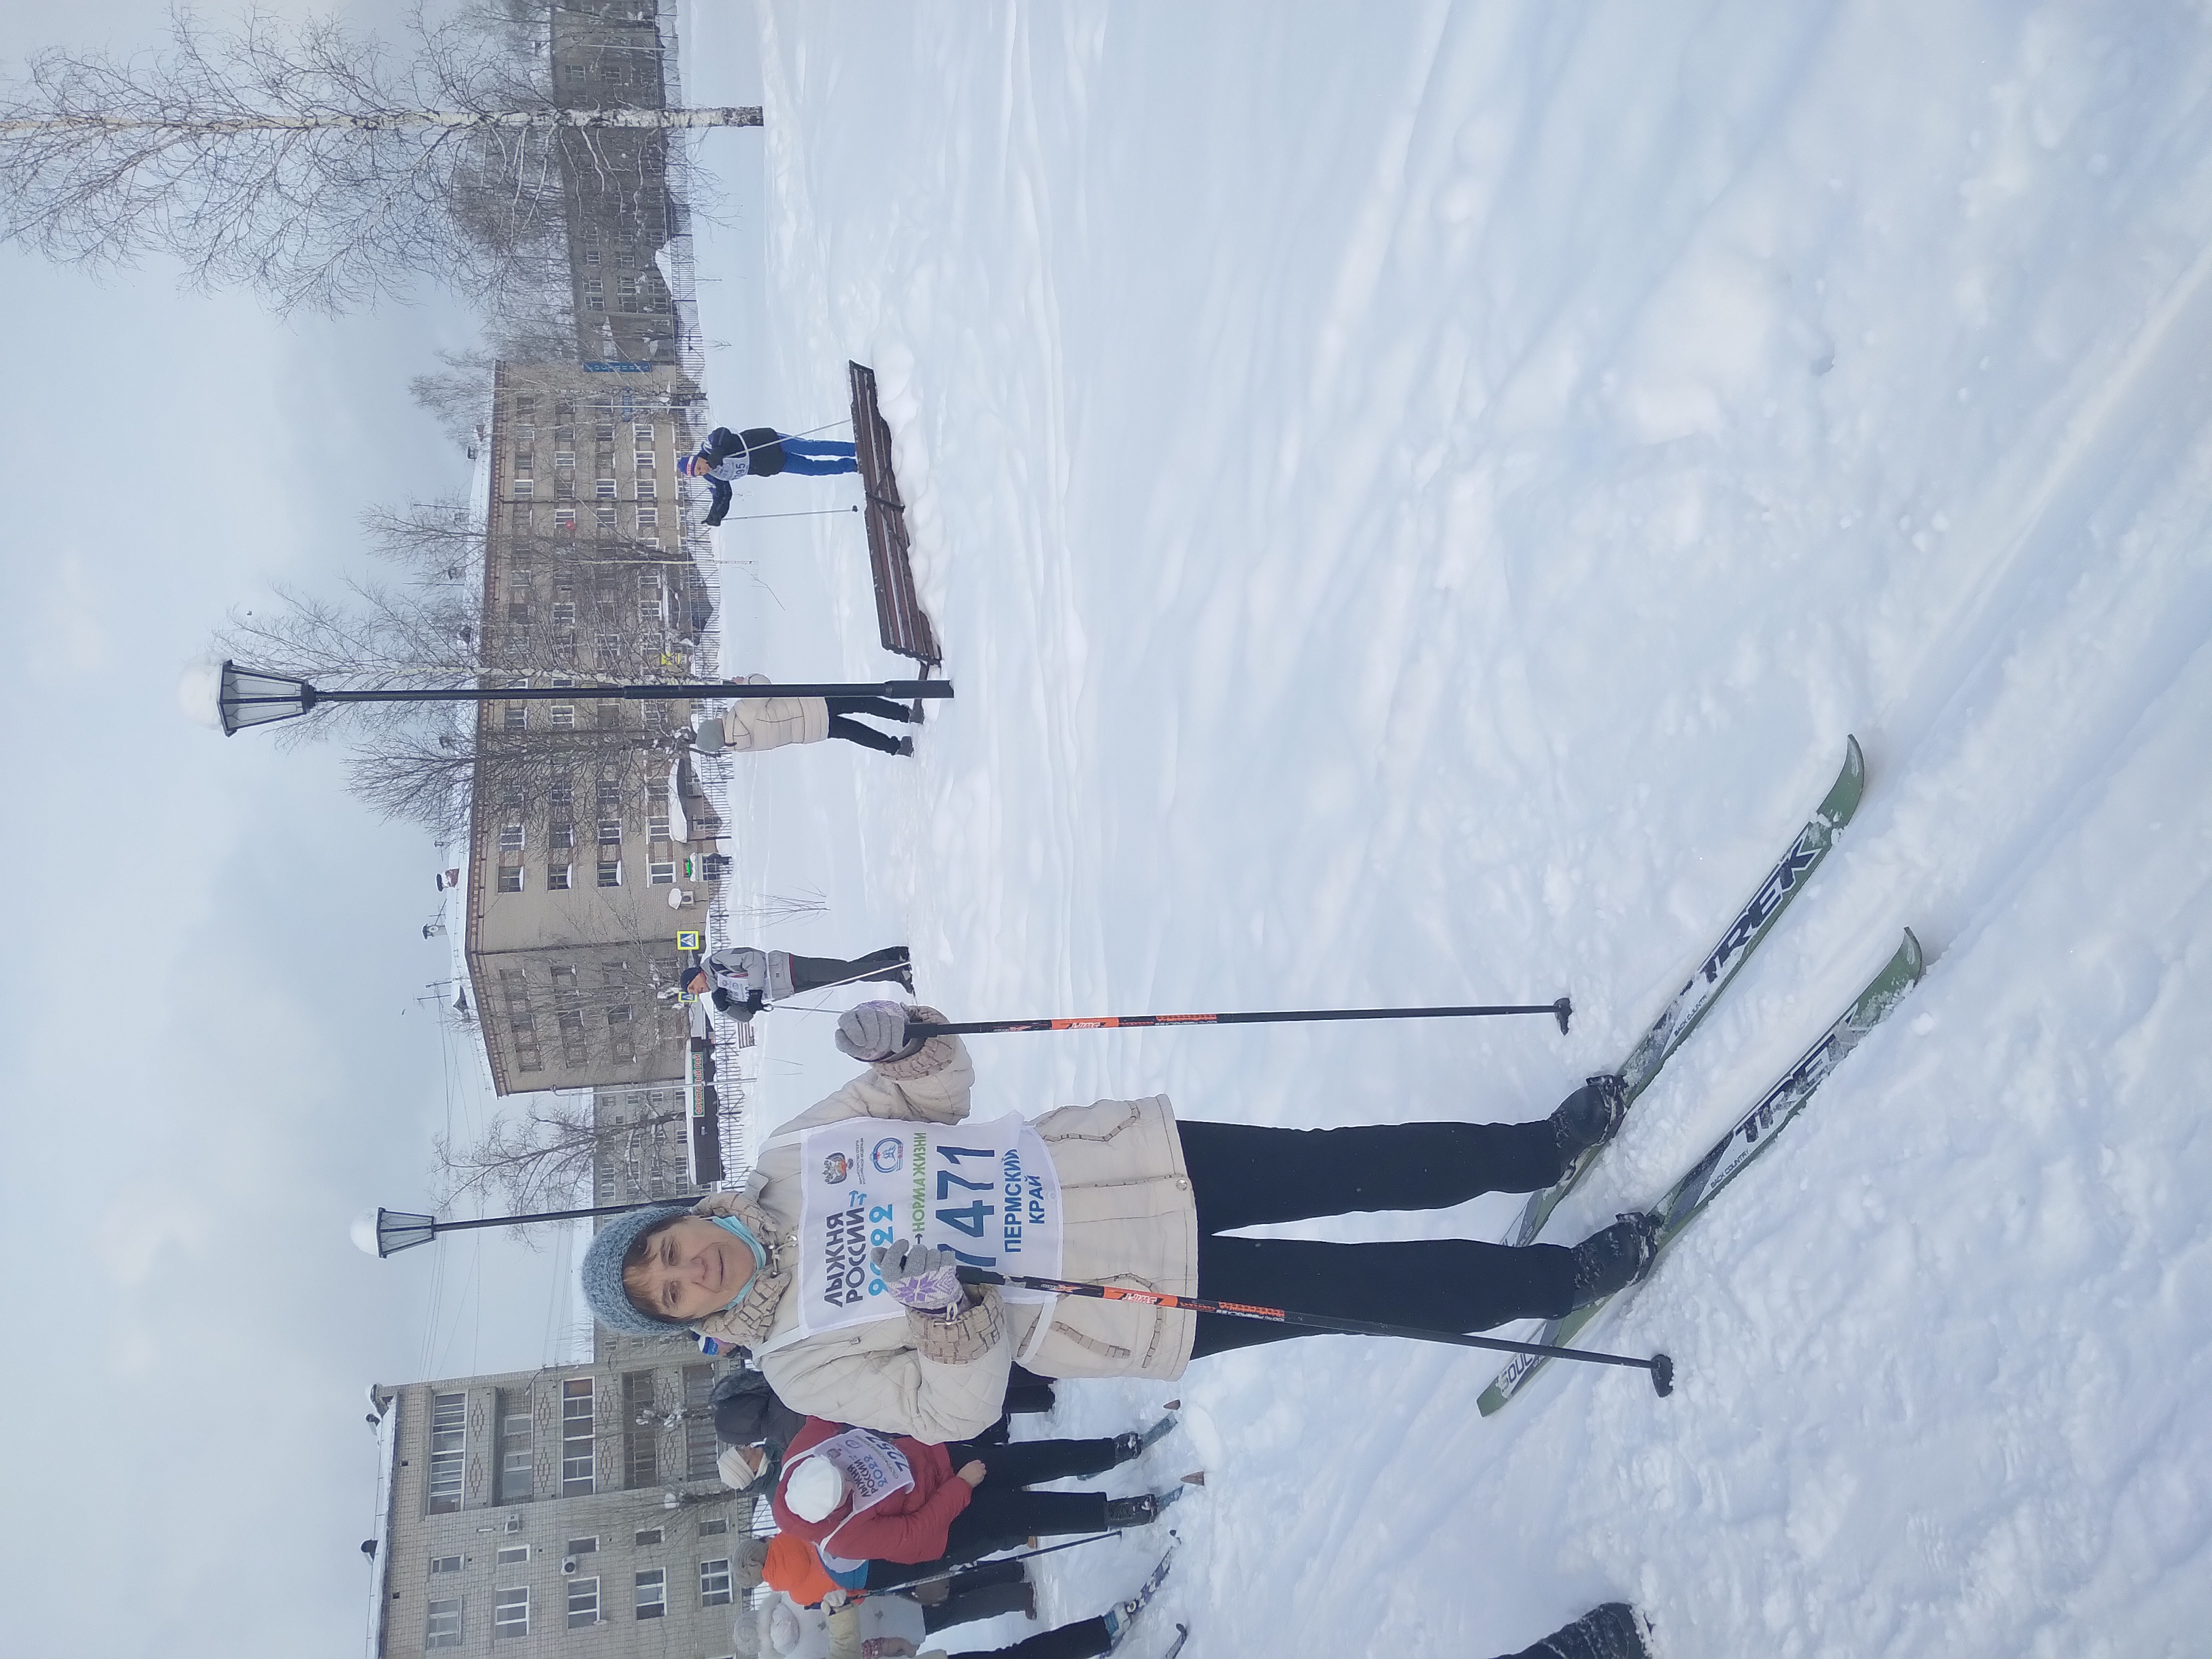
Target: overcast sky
219, 1037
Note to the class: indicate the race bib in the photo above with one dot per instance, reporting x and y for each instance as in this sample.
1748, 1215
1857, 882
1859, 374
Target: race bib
985, 1191
874, 1469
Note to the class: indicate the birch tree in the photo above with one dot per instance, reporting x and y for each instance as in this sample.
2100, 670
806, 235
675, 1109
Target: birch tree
305, 161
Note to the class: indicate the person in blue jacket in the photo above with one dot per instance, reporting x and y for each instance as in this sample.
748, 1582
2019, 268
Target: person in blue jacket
760, 452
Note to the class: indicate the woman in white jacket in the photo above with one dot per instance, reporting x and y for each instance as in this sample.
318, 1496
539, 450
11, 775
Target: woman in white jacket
750, 725
1115, 1192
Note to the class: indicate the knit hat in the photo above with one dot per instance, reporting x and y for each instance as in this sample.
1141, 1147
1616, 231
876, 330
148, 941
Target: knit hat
814, 1489
602, 1272
736, 1472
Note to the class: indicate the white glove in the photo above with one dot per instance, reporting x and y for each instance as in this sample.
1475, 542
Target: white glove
922, 1278
872, 1032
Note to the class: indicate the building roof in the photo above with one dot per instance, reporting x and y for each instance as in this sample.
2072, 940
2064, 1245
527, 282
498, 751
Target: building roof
379, 1566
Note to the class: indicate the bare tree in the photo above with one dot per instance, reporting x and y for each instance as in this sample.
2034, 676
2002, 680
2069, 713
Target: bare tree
307, 161
546, 1154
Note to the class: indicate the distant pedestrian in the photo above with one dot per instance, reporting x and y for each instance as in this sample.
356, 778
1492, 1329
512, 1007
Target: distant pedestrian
744, 979
752, 724
760, 452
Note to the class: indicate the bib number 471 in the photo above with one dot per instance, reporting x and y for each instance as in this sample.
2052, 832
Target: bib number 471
971, 1216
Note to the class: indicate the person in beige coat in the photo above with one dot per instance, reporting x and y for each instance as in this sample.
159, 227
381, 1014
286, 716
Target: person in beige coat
1143, 1198
753, 724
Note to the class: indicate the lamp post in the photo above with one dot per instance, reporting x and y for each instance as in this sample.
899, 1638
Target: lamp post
251, 697
381, 1233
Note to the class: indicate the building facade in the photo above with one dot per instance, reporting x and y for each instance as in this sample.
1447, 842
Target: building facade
572, 1511
615, 188
575, 851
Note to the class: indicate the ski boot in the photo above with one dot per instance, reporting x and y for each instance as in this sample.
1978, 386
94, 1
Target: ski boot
1133, 1445
1611, 1261
1141, 1511
1590, 1116
1615, 1631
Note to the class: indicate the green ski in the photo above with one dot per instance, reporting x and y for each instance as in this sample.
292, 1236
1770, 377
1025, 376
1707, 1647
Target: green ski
1695, 999
1752, 1134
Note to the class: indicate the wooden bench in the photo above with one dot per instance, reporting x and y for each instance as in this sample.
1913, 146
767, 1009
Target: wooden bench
899, 616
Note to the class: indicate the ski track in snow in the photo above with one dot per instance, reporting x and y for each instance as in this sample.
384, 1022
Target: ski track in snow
1413, 512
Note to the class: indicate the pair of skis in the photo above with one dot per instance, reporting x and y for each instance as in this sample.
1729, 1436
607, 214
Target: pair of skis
1754, 1131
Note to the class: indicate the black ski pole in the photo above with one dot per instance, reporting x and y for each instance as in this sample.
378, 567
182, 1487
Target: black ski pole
1561, 1011
1661, 1367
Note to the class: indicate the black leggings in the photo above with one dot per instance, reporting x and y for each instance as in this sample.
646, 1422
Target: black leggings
866, 736
1242, 1177
982, 1592
1004, 1511
812, 973
1085, 1639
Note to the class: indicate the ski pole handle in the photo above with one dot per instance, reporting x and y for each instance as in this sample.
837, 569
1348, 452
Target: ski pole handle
1562, 1009
1661, 1367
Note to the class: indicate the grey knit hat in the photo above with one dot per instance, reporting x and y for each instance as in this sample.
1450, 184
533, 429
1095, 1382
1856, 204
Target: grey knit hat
602, 1272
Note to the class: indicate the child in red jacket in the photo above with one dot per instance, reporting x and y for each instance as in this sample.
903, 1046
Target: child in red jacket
858, 1496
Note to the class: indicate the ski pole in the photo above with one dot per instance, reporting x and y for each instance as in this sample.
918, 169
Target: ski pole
1559, 1011
1661, 1367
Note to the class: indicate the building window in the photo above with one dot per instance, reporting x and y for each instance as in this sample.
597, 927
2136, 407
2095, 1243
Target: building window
529, 1060
515, 716
510, 838
577, 1466
619, 1014
564, 518
510, 878
560, 877
583, 1601
603, 488
449, 1416
514, 1555
444, 1628
652, 1594
510, 1612
563, 716
714, 1526
611, 872
643, 459
647, 490
648, 612
659, 875
648, 518
564, 614
564, 461
603, 516
523, 489
444, 1563
647, 1536
714, 1584
581, 1546
656, 827
515, 1457
575, 74
611, 833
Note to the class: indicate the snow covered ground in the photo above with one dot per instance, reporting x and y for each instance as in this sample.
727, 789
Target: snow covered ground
1415, 497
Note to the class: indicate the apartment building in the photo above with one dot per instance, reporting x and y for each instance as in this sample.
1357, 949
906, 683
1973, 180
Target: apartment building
616, 185
579, 836
573, 1511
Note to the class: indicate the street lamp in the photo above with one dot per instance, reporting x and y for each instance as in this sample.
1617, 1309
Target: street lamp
381, 1233
251, 697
